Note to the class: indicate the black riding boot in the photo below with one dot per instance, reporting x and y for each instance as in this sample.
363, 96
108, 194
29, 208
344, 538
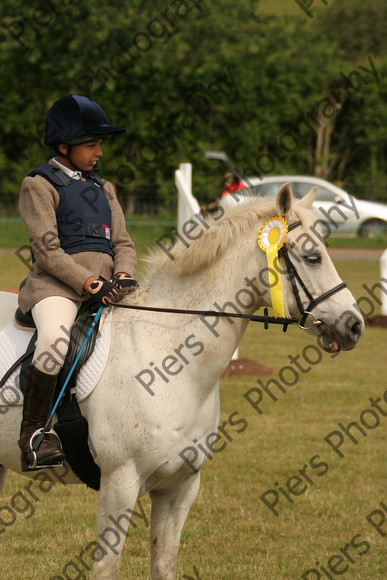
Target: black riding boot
38, 395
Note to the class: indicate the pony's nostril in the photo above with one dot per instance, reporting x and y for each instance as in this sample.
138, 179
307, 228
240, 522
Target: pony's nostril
356, 328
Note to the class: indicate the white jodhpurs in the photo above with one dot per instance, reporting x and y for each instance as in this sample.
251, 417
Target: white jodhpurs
54, 317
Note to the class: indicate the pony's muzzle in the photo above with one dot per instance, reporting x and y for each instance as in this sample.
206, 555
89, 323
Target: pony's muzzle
336, 338
352, 335
357, 330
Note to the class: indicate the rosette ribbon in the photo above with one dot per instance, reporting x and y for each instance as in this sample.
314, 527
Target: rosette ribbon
271, 238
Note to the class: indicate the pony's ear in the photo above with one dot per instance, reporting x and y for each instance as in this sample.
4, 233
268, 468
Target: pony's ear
284, 199
308, 199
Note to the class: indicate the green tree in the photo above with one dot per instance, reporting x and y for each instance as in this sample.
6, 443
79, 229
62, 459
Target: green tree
357, 27
184, 76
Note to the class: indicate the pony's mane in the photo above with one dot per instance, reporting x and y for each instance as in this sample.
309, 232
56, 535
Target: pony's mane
214, 241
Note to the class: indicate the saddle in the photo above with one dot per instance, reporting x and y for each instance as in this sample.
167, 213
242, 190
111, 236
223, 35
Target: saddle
78, 332
72, 427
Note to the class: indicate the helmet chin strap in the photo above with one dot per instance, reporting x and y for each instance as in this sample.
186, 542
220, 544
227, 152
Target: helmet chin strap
67, 156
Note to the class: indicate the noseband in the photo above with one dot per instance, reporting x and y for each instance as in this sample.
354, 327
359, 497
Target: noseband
295, 277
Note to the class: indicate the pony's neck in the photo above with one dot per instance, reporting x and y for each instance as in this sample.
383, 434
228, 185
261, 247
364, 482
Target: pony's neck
230, 284
225, 281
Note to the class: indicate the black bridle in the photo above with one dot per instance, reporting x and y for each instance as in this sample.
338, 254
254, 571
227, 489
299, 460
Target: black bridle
266, 319
295, 277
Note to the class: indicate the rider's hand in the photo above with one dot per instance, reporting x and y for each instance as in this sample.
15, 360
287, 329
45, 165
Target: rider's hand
125, 283
104, 291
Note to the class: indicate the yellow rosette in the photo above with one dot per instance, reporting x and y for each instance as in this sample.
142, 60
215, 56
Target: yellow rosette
271, 238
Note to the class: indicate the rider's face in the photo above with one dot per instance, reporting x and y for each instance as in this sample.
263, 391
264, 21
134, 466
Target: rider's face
84, 157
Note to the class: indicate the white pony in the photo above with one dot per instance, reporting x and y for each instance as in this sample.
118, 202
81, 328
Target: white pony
157, 400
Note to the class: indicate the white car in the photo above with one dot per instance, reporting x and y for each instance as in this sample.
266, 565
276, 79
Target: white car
344, 214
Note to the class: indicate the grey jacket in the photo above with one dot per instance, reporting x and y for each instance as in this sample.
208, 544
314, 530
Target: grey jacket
55, 273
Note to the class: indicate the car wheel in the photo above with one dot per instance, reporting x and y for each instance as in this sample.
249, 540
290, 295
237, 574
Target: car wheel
373, 228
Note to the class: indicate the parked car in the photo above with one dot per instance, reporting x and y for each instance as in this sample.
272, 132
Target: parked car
355, 218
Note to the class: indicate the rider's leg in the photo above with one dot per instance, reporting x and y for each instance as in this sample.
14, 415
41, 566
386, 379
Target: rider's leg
54, 317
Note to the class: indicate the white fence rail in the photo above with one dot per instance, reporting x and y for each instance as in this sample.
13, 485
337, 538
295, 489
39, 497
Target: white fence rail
383, 274
187, 204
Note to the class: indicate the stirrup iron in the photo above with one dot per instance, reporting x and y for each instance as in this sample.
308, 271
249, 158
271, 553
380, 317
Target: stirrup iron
29, 459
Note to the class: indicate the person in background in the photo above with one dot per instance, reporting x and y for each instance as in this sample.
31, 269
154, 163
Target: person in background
231, 183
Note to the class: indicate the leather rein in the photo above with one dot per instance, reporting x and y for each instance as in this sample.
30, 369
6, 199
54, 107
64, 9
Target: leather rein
265, 319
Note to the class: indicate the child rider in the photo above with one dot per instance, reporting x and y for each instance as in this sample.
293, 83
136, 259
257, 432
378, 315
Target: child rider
79, 243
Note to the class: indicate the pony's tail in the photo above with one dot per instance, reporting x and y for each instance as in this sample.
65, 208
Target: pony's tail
3, 476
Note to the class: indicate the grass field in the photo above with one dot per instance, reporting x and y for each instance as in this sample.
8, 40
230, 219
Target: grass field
230, 533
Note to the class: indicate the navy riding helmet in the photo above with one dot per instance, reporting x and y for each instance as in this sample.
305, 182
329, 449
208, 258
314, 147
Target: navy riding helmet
76, 120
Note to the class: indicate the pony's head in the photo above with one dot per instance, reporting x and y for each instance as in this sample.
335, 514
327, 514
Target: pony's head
314, 291
226, 252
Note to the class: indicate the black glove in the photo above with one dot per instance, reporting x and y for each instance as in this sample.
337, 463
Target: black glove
125, 283
105, 292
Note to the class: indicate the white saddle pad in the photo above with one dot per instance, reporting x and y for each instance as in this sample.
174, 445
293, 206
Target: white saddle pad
14, 342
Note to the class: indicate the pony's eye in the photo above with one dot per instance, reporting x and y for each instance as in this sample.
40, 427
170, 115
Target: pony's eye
313, 259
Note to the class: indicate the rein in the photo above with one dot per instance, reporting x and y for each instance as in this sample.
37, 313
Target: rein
266, 319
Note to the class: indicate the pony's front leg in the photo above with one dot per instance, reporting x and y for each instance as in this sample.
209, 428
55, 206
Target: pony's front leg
170, 508
118, 496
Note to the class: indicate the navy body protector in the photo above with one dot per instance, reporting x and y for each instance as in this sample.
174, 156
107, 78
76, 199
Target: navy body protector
83, 215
